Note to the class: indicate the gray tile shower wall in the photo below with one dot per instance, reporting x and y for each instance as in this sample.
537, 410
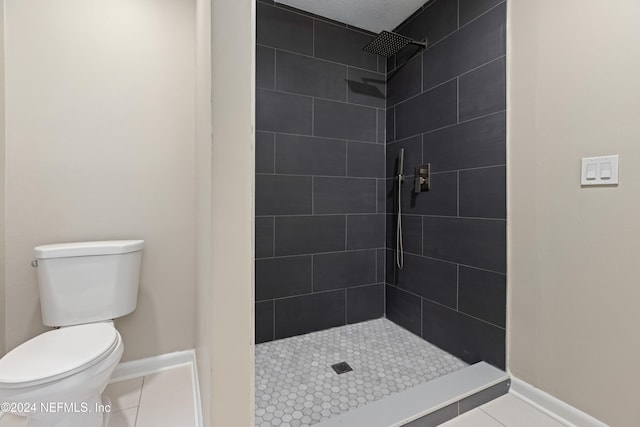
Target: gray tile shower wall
446, 107
320, 174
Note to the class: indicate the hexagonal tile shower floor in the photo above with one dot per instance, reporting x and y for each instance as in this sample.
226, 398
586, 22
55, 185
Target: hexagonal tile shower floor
296, 385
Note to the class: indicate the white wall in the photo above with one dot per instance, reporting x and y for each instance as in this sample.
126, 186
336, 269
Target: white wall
573, 252
100, 116
2, 148
230, 294
204, 237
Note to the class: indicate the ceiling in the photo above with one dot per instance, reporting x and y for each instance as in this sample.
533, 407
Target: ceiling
372, 15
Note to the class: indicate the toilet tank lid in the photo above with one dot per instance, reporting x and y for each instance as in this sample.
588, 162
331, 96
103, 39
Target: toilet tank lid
107, 247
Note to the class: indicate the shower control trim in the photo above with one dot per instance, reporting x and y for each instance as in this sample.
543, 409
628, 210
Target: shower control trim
423, 178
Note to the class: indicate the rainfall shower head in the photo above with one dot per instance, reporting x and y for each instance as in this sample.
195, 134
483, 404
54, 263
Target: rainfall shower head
388, 44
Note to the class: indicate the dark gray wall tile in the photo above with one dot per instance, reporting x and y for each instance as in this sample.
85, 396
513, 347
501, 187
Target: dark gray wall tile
284, 29
282, 277
309, 234
405, 82
433, 23
365, 303
483, 294
382, 126
391, 189
265, 67
481, 41
483, 91
469, 339
431, 110
390, 133
477, 143
429, 278
436, 418
441, 199
412, 157
344, 195
389, 268
309, 313
310, 76
283, 112
411, 233
264, 237
484, 396
474, 242
264, 321
382, 195
483, 192
380, 265
471, 9
365, 232
306, 155
264, 152
366, 88
345, 121
404, 309
365, 159
343, 269
343, 45
283, 195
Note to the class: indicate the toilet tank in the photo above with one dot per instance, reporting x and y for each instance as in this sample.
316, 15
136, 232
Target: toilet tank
88, 282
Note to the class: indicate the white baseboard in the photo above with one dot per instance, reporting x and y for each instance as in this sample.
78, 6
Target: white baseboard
151, 365
552, 406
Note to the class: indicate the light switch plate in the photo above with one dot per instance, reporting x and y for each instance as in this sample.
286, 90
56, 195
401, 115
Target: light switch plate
606, 164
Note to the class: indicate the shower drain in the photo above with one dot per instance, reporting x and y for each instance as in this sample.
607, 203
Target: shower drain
342, 368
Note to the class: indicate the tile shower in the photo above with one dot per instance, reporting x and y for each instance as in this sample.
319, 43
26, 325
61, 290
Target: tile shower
330, 122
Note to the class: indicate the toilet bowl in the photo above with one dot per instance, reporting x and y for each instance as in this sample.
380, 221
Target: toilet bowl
56, 379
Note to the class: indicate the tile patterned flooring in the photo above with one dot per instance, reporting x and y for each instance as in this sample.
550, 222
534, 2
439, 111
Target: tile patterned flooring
505, 411
296, 386
163, 399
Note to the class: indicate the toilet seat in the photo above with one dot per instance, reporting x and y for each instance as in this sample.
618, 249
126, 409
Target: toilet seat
57, 354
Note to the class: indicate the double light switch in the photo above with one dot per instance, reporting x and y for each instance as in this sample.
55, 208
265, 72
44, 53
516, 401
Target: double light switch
600, 170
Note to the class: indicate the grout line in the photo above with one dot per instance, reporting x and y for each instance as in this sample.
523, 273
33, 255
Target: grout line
457, 100
422, 317
337, 101
139, 400
335, 214
312, 257
319, 292
465, 25
491, 415
346, 158
458, 287
273, 142
320, 58
346, 232
313, 38
346, 296
275, 70
458, 14
326, 253
273, 305
450, 80
274, 238
452, 309
317, 137
458, 194
313, 116
313, 195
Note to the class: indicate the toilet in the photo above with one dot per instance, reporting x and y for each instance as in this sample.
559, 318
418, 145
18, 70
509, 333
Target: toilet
56, 379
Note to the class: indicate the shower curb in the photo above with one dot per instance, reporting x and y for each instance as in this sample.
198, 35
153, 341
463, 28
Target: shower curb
432, 403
